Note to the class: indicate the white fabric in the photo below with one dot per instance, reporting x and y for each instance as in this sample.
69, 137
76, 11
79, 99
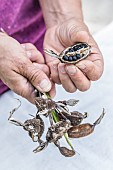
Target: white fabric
95, 151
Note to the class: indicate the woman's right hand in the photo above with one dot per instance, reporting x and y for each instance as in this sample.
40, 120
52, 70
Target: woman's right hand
23, 69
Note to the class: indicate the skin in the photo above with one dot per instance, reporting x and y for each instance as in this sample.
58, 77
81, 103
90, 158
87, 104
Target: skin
23, 69
65, 26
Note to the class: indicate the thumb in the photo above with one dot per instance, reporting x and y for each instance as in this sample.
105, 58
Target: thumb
73, 31
37, 78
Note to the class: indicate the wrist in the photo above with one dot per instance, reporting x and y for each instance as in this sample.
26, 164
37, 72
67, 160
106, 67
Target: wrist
56, 12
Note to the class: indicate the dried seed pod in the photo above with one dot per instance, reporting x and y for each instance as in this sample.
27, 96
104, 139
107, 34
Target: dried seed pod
41, 147
56, 131
68, 122
35, 127
75, 117
72, 54
66, 152
80, 130
70, 102
84, 129
44, 105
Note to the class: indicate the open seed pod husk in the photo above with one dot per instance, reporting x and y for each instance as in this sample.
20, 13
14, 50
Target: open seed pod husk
66, 152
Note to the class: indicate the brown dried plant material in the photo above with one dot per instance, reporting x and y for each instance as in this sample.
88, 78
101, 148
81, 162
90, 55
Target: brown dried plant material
62, 122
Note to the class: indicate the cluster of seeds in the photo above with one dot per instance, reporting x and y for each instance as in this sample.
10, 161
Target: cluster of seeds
62, 123
72, 54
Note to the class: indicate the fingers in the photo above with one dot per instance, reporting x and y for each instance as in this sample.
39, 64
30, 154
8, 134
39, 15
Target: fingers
31, 79
42, 67
72, 78
52, 92
53, 65
20, 73
65, 79
36, 57
76, 31
37, 78
81, 82
24, 88
93, 70
32, 53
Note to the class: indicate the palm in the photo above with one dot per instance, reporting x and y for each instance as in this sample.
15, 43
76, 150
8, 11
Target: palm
51, 41
58, 38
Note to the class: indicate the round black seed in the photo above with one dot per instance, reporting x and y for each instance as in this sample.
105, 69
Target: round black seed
74, 58
65, 57
79, 47
78, 56
82, 46
85, 45
71, 50
70, 58
75, 48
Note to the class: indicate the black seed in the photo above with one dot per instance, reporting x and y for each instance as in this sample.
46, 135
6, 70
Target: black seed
71, 50
85, 45
82, 46
65, 57
78, 56
79, 47
74, 58
70, 58
75, 48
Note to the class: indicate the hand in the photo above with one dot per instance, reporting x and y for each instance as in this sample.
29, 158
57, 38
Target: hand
79, 76
23, 69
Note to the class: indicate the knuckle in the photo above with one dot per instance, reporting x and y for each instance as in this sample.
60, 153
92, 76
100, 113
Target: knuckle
35, 75
30, 45
22, 66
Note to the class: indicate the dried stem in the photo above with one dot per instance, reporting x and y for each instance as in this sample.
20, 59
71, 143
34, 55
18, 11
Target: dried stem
56, 119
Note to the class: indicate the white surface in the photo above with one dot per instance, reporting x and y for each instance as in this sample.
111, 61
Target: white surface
96, 150
97, 13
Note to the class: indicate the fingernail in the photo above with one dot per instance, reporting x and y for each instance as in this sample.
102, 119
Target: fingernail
29, 53
45, 85
71, 69
81, 66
